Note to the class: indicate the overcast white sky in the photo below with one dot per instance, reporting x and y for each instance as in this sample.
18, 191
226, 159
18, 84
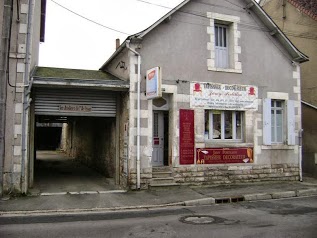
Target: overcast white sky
73, 42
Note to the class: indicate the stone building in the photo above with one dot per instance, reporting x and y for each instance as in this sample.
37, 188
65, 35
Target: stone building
38, 104
214, 97
298, 20
22, 29
208, 94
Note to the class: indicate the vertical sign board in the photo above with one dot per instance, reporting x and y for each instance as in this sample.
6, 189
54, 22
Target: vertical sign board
153, 83
186, 136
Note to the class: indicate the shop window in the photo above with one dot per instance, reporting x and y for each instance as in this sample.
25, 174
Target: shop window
278, 122
224, 125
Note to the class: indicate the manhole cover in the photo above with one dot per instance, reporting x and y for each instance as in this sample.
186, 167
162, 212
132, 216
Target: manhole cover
201, 219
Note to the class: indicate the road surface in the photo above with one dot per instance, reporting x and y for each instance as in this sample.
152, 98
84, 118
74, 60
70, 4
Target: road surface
295, 217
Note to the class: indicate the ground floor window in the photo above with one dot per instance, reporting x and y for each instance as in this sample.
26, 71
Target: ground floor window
277, 121
224, 125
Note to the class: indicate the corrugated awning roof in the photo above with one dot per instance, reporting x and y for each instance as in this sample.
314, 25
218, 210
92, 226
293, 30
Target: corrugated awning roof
49, 76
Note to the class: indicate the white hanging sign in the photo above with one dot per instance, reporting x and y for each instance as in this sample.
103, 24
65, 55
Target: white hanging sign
153, 83
223, 96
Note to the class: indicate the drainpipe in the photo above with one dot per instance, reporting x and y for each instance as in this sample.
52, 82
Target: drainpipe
26, 97
300, 158
138, 116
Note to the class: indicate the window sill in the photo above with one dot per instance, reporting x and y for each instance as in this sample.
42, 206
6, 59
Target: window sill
278, 147
237, 71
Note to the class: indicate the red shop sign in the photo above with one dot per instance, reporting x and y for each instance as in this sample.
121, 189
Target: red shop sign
224, 155
186, 137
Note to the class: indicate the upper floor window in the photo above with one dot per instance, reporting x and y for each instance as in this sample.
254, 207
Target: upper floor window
224, 43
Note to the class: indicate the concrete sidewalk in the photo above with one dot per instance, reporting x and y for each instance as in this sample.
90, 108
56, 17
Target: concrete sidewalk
181, 196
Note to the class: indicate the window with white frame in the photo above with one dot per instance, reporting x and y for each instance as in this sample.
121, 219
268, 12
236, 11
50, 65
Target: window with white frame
221, 47
224, 125
278, 122
224, 43
277, 125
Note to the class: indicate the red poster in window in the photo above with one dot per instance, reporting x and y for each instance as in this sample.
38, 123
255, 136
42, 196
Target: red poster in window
186, 136
224, 155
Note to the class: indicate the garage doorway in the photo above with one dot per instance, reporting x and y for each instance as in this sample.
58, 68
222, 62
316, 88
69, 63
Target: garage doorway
74, 154
75, 140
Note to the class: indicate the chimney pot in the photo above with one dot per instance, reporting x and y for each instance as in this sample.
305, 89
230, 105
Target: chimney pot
117, 43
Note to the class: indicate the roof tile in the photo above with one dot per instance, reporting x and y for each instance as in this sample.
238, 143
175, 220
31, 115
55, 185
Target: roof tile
308, 7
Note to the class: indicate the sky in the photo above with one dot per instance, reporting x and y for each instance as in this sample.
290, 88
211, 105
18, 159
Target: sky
77, 43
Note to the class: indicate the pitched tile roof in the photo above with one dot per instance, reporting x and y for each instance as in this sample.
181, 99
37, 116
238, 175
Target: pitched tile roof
309, 7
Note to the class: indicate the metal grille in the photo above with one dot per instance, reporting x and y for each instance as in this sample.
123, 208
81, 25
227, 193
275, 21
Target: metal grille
75, 102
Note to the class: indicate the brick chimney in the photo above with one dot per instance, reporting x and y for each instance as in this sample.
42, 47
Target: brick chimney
117, 43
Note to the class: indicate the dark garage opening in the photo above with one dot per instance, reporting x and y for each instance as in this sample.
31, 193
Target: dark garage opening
74, 154
48, 136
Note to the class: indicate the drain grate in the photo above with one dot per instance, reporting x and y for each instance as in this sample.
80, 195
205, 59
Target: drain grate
222, 200
237, 199
229, 200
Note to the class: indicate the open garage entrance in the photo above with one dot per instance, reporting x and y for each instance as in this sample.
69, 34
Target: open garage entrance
75, 141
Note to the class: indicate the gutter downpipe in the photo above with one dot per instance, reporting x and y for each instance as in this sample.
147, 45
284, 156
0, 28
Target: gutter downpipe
26, 98
300, 132
138, 116
300, 157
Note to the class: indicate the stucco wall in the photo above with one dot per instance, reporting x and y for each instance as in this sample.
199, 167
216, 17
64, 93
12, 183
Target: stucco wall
120, 67
181, 50
301, 30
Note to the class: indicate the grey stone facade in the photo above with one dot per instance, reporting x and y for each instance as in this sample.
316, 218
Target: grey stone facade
183, 46
23, 57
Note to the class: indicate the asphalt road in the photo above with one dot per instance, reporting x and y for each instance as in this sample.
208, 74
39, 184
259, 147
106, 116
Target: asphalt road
295, 217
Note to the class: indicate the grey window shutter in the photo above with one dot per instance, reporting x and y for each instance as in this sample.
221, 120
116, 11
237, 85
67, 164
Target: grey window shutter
267, 121
290, 122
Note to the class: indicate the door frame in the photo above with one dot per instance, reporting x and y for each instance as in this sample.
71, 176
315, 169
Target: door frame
165, 132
